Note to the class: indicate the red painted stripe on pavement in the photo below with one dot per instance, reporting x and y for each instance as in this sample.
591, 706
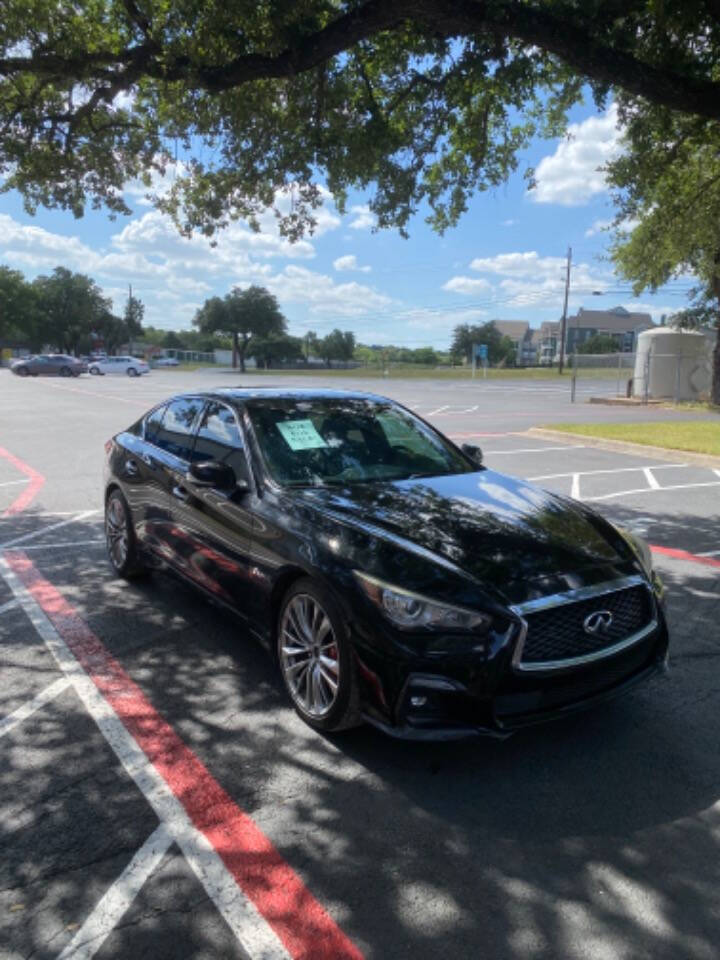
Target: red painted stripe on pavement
299, 921
25, 498
684, 555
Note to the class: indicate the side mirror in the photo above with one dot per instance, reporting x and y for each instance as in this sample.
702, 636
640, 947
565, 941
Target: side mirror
212, 473
473, 453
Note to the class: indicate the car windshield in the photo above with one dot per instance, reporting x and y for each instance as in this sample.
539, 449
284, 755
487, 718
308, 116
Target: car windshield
331, 441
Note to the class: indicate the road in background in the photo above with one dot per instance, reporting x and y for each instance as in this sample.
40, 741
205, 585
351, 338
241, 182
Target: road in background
591, 838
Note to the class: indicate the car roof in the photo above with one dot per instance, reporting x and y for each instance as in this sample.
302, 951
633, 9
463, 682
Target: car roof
239, 395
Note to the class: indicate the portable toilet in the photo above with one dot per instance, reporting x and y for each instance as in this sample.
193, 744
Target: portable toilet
674, 364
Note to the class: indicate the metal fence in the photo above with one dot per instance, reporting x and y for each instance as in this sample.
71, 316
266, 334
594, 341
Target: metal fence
190, 356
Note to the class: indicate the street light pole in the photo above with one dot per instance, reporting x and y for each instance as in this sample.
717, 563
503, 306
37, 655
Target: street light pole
564, 316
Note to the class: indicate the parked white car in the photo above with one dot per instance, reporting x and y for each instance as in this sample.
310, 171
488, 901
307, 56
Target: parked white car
130, 366
167, 362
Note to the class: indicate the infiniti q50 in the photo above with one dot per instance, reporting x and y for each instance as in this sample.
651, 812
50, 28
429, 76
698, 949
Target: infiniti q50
394, 577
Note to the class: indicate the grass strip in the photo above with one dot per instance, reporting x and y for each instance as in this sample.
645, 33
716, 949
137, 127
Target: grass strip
696, 436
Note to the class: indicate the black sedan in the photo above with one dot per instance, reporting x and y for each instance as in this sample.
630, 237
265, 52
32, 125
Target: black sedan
395, 578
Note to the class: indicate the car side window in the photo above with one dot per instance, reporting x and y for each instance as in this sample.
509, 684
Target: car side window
218, 438
153, 423
176, 433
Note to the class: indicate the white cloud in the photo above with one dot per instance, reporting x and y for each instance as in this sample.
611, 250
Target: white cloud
322, 295
598, 226
525, 278
603, 226
508, 223
349, 262
571, 175
364, 219
467, 285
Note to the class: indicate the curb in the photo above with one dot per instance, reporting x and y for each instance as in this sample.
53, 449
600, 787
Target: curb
624, 446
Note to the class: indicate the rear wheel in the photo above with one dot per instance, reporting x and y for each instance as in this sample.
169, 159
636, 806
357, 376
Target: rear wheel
22, 371
120, 537
132, 372
94, 371
65, 372
316, 658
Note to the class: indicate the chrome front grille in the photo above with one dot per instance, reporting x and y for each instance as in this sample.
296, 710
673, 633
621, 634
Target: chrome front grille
556, 630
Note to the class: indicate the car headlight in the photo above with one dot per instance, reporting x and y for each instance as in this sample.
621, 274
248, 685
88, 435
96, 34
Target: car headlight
639, 548
410, 611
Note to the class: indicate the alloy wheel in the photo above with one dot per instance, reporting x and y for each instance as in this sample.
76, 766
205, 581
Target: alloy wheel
309, 656
116, 532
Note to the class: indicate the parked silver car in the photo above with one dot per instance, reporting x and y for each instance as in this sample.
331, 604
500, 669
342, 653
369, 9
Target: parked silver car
48, 365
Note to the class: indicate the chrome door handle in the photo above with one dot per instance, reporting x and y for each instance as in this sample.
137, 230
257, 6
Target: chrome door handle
131, 468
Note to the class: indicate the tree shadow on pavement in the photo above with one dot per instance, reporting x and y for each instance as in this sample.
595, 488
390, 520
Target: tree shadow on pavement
594, 837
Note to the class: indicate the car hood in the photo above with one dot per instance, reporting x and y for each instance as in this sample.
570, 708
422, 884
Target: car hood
492, 527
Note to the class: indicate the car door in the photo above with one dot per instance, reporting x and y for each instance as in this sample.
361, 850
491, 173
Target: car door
172, 450
41, 366
217, 523
141, 466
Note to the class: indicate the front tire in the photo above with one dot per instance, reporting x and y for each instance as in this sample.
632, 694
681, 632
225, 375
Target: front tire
94, 371
22, 372
122, 545
65, 372
316, 658
132, 372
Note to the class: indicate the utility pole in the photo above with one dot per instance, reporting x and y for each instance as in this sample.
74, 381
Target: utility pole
130, 315
563, 329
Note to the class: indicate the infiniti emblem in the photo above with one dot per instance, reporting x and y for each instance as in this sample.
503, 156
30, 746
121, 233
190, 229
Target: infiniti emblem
599, 621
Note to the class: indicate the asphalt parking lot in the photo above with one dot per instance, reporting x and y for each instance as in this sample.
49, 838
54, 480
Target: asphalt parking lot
160, 799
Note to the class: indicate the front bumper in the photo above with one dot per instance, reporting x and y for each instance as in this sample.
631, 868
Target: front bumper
461, 697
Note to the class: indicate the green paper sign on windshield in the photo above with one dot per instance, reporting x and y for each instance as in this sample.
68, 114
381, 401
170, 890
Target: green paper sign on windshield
301, 435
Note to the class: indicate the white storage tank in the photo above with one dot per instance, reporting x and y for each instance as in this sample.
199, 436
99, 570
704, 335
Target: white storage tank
671, 363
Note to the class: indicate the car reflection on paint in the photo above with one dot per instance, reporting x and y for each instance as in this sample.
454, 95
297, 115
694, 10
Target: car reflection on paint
395, 578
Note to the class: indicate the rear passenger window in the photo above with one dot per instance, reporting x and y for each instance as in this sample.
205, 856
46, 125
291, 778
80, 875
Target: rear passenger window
218, 438
153, 422
175, 434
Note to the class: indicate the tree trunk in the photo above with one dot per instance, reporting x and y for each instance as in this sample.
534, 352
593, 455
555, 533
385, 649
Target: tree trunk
235, 351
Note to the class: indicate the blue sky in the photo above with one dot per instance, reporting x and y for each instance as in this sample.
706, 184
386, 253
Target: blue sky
505, 260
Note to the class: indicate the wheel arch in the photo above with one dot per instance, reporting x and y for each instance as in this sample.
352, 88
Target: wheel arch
286, 579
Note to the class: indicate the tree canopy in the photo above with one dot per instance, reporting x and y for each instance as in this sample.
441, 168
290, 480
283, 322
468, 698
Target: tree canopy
242, 315
425, 100
500, 349
667, 190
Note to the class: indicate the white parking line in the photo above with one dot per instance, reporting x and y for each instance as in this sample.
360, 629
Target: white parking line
575, 488
14, 483
433, 412
678, 486
578, 446
710, 553
594, 473
10, 605
12, 720
251, 930
652, 482
53, 526
65, 544
110, 909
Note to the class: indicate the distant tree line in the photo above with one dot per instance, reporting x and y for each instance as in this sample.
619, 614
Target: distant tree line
65, 310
